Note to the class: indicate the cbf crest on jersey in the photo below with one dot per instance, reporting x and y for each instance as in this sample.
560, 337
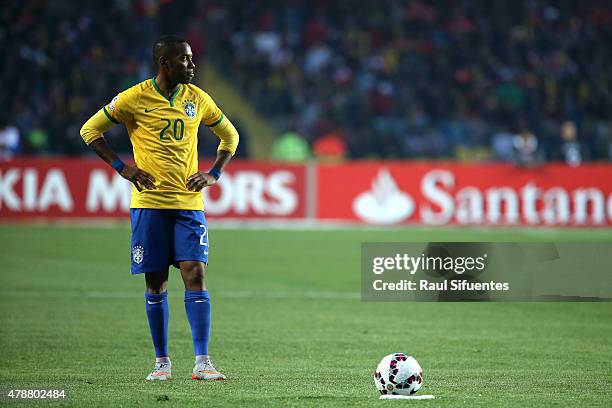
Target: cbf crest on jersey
190, 108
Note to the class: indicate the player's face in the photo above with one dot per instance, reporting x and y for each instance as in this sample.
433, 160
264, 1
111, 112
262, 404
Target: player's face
180, 66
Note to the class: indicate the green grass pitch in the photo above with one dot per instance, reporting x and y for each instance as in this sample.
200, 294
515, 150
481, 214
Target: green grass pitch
288, 328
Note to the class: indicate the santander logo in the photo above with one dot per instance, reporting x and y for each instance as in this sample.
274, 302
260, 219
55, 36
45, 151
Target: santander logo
385, 203
442, 199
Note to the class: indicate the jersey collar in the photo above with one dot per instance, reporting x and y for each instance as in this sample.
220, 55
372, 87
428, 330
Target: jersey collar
172, 97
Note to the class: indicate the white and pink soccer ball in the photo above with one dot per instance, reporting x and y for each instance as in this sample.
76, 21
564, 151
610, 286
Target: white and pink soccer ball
398, 374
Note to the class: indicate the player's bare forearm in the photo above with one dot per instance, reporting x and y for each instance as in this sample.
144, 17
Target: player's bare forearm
138, 177
196, 182
103, 150
223, 157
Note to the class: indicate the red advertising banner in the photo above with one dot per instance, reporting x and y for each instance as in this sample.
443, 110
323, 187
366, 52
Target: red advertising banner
69, 187
382, 193
482, 194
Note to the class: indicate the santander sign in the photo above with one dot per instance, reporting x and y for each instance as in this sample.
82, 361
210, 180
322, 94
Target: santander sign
441, 199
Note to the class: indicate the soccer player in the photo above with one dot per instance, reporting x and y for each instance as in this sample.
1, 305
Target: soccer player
162, 116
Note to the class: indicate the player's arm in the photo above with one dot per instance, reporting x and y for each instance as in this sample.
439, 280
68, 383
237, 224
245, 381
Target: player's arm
228, 136
92, 133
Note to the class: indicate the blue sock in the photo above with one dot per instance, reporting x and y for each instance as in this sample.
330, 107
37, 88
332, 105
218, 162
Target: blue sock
197, 306
157, 312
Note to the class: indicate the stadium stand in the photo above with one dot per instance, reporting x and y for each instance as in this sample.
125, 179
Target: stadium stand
395, 79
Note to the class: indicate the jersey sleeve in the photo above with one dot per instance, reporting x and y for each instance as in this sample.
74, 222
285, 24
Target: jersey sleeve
219, 124
211, 115
121, 109
95, 127
228, 136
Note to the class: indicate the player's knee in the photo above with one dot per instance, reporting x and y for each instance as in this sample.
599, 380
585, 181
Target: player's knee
193, 274
156, 282
157, 290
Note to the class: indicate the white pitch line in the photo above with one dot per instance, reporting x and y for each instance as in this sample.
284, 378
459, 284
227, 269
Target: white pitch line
227, 294
406, 397
319, 225
246, 294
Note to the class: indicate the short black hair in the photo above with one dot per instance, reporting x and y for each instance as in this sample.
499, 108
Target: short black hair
165, 44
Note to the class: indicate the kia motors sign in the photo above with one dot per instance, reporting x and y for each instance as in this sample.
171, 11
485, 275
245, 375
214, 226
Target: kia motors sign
479, 194
70, 187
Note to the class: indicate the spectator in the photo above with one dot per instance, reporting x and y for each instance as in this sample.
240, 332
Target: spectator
570, 146
290, 147
330, 148
503, 146
526, 152
9, 140
38, 140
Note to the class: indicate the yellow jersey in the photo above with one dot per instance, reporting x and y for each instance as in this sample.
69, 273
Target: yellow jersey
164, 136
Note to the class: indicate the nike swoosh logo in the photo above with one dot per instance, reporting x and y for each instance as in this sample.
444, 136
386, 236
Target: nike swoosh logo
153, 303
199, 301
150, 110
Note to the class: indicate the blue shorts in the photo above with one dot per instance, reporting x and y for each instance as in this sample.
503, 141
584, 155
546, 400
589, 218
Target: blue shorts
161, 238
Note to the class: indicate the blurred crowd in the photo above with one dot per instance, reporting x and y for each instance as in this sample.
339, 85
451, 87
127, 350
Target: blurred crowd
523, 81
63, 61
427, 79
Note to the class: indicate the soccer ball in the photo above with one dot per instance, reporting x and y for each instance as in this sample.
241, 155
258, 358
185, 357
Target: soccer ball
398, 374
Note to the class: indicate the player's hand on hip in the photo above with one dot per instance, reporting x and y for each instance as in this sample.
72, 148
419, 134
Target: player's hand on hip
196, 182
140, 178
